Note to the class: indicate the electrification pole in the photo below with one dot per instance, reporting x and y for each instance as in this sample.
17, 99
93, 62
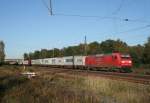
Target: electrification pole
50, 7
53, 52
85, 46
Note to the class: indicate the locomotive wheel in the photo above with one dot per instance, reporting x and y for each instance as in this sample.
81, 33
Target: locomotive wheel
125, 70
114, 69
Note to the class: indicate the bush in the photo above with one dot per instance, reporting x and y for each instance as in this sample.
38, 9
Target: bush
8, 82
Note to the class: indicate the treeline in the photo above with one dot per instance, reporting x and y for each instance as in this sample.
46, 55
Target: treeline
2, 52
139, 53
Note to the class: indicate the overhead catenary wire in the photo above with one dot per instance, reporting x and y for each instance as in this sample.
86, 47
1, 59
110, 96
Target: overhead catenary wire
92, 16
115, 13
119, 8
135, 29
129, 30
100, 17
48, 7
103, 17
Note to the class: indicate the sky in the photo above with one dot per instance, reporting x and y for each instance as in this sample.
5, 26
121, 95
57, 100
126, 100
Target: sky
25, 25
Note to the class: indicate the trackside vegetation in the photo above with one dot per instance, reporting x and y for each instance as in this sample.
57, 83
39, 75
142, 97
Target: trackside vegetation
139, 53
61, 88
2, 52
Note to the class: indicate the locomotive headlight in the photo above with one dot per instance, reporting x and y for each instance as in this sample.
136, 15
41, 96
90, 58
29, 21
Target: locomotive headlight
122, 61
130, 62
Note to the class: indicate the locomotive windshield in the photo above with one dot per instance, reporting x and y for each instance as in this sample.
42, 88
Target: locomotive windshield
125, 56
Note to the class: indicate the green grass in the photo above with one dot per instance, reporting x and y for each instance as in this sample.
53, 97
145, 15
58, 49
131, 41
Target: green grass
123, 92
62, 88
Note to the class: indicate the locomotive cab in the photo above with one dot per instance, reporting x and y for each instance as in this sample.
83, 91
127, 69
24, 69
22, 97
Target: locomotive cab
122, 61
126, 61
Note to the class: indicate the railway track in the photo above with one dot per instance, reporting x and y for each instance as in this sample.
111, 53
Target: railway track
130, 77
123, 76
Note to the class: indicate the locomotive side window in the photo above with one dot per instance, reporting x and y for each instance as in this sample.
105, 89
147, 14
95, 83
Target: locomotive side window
46, 61
99, 57
114, 57
79, 60
53, 61
69, 60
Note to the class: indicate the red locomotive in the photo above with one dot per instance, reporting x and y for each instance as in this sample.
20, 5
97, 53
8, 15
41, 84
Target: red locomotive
109, 61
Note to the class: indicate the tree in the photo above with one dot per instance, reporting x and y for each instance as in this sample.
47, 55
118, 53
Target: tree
136, 53
146, 54
36, 54
121, 46
43, 53
94, 48
50, 53
31, 55
78, 50
109, 46
26, 56
69, 51
2, 52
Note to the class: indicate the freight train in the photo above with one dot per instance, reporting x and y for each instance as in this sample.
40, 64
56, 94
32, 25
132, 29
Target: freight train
113, 61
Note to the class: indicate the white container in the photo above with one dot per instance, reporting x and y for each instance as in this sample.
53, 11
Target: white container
68, 60
79, 60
